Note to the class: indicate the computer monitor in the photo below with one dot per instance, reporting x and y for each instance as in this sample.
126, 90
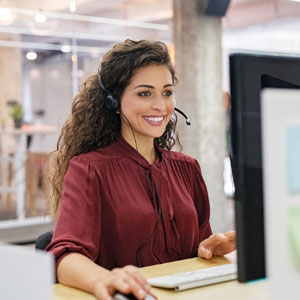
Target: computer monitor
250, 72
25, 273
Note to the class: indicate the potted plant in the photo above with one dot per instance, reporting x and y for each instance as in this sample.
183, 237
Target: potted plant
2, 123
17, 114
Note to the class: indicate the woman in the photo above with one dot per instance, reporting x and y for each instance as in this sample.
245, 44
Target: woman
126, 200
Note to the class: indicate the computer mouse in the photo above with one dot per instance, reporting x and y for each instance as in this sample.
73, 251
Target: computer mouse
120, 296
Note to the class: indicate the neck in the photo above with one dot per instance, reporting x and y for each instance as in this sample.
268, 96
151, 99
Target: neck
144, 145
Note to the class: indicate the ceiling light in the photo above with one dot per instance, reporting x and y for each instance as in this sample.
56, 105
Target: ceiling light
74, 58
5, 14
66, 48
40, 18
91, 19
31, 55
72, 6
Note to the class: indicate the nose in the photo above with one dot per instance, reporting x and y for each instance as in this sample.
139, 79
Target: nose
158, 103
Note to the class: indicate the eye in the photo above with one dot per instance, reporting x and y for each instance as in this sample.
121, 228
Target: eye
144, 94
168, 93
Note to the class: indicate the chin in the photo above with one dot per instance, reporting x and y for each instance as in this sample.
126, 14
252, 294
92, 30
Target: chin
158, 135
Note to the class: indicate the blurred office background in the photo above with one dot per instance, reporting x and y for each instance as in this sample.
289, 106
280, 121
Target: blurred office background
48, 48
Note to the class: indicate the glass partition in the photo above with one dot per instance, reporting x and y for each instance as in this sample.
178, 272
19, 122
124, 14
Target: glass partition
44, 57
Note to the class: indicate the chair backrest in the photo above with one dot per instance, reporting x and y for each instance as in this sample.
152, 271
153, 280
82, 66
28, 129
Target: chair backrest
43, 240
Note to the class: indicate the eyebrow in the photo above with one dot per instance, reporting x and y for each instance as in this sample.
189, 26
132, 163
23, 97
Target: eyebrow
151, 86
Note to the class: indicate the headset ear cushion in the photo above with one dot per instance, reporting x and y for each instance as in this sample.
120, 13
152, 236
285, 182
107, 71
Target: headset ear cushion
111, 103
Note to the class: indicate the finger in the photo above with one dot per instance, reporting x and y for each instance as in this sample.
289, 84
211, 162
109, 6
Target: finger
219, 238
221, 252
214, 240
204, 253
231, 235
207, 247
139, 277
225, 248
118, 282
102, 293
133, 286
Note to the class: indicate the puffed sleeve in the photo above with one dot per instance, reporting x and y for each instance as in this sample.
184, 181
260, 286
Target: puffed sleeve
201, 201
78, 225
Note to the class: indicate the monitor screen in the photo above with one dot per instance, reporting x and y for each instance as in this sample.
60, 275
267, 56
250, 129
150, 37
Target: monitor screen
249, 74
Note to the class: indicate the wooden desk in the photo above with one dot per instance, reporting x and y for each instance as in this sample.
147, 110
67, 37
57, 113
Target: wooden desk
231, 290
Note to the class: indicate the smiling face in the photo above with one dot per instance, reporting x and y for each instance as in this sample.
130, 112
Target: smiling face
148, 103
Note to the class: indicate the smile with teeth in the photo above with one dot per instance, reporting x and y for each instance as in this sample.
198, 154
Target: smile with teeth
154, 119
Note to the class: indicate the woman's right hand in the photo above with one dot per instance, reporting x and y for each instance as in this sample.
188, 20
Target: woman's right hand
128, 279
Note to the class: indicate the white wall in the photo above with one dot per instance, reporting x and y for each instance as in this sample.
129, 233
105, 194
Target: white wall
281, 36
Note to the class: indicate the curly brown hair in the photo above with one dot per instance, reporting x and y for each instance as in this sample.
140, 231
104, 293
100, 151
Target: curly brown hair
91, 125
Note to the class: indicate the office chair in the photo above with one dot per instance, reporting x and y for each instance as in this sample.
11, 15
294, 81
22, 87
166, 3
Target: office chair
43, 240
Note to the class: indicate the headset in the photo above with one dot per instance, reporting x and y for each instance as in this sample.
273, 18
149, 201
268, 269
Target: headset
113, 103
187, 119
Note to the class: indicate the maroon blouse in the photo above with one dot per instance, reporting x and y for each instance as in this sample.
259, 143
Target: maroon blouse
117, 209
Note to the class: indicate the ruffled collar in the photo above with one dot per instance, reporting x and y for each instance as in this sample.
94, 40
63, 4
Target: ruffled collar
132, 153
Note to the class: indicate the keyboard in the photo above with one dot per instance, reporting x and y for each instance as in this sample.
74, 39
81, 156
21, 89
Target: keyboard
201, 277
